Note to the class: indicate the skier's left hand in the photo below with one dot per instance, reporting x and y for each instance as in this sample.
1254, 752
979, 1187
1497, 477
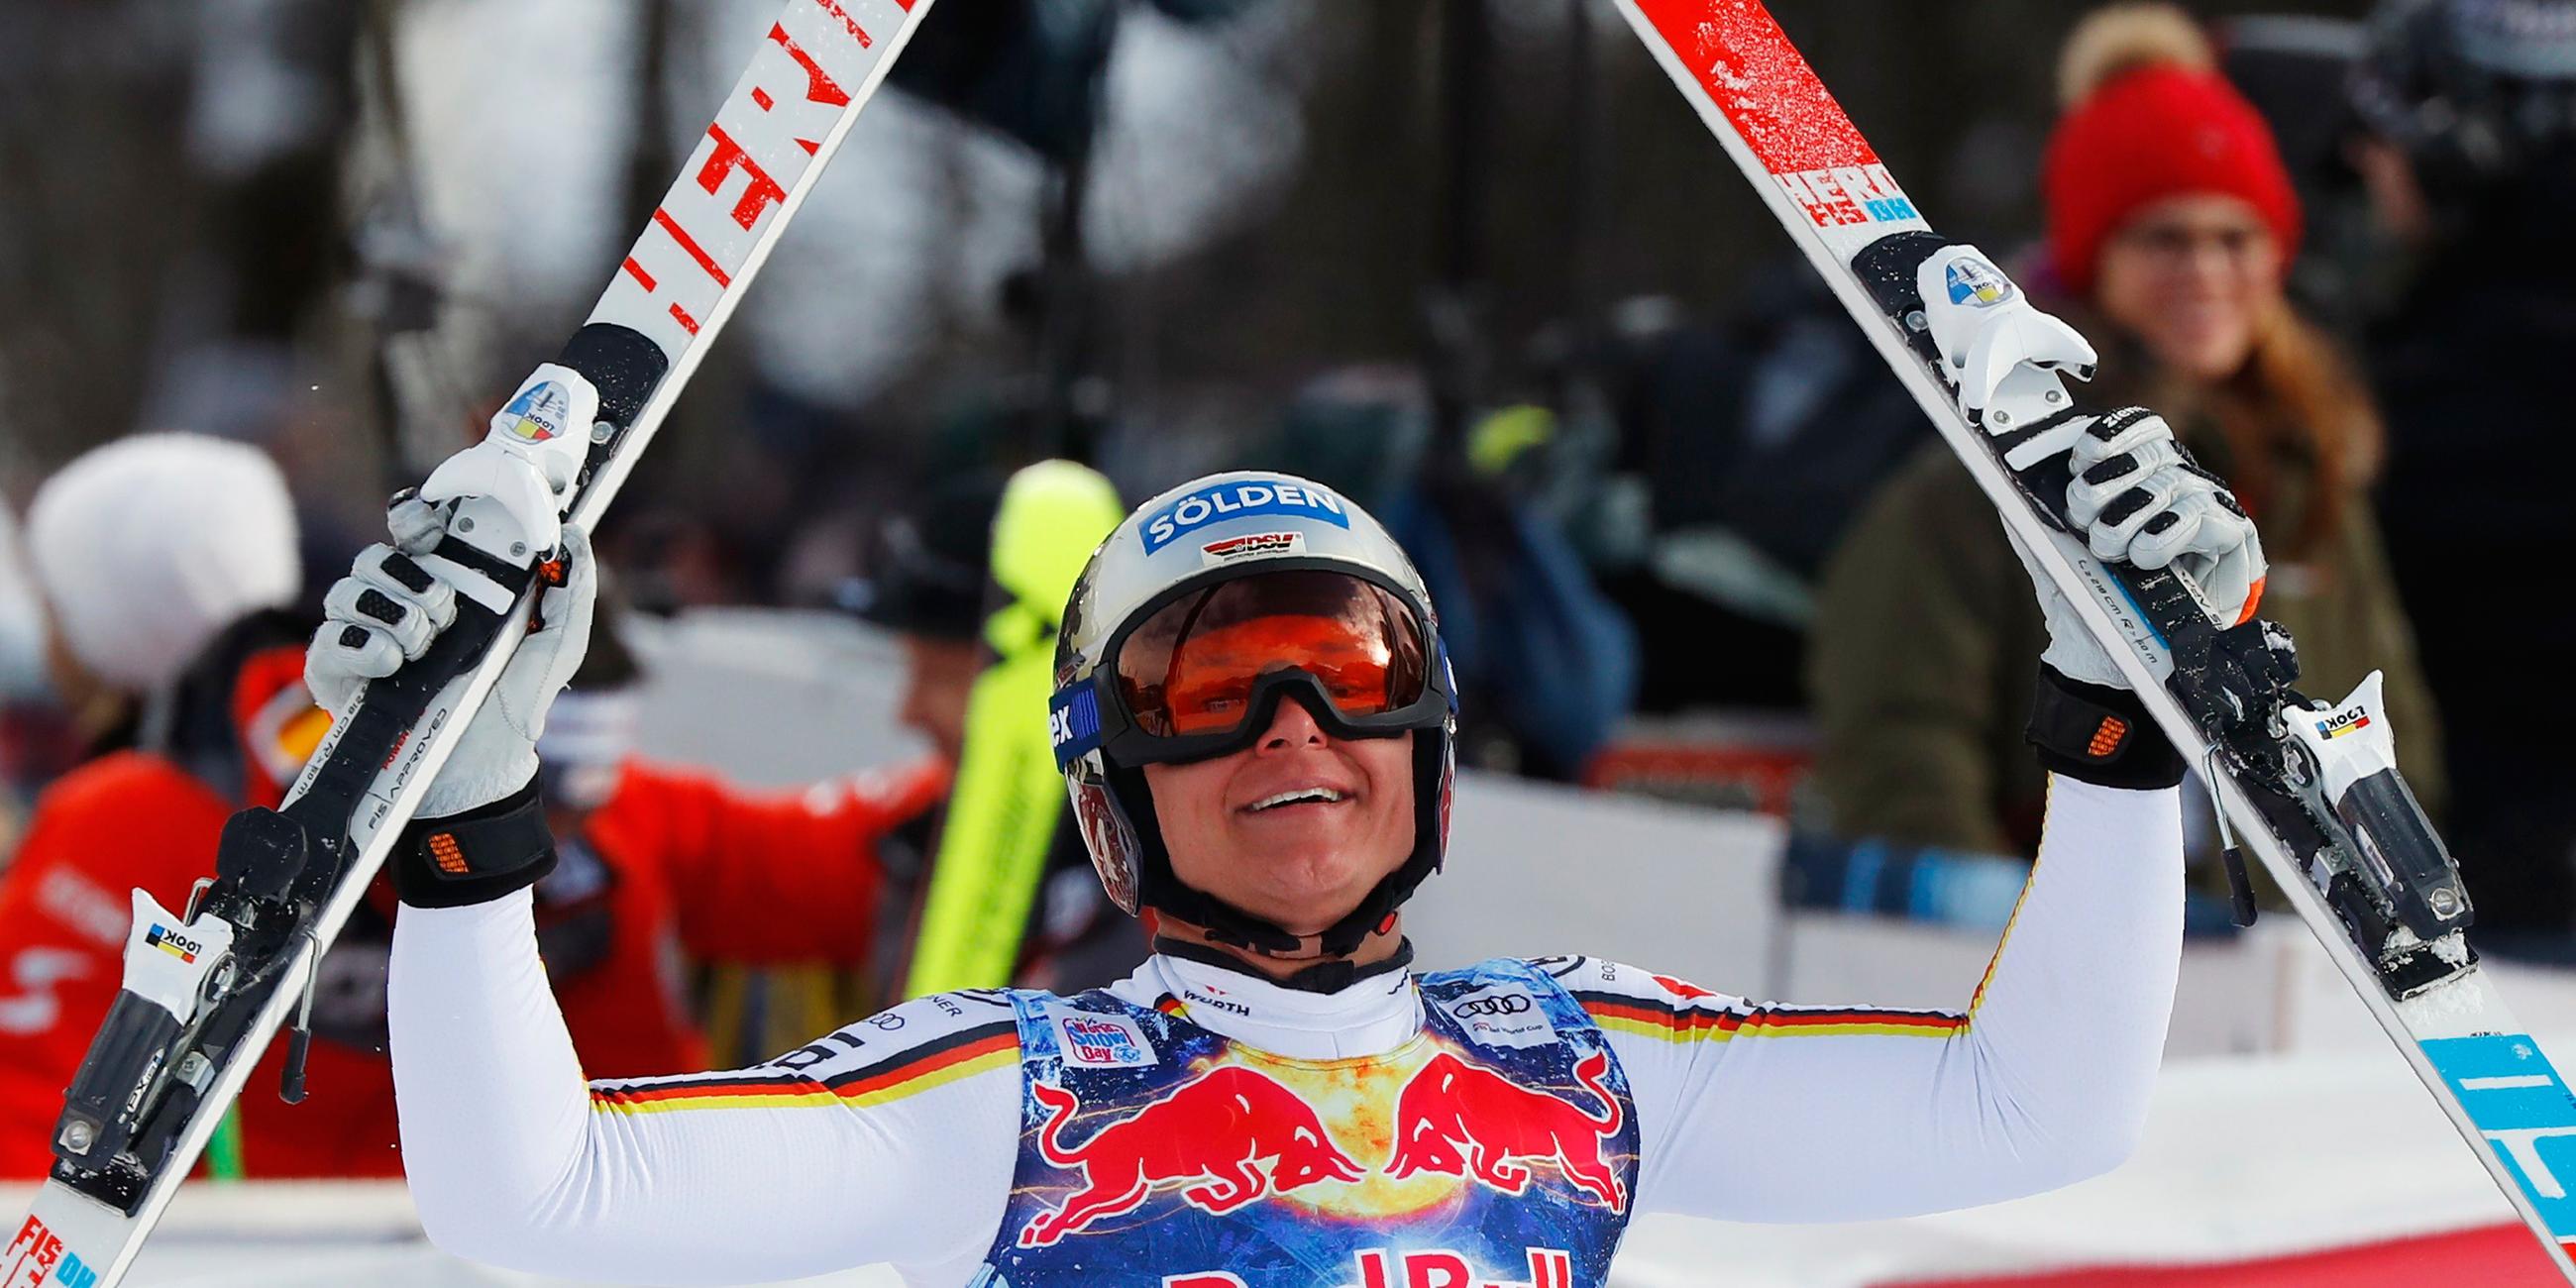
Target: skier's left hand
2139, 499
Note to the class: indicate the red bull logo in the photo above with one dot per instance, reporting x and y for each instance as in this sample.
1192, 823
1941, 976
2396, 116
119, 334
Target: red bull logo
1209, 1136
1458, 1119
1431, 1268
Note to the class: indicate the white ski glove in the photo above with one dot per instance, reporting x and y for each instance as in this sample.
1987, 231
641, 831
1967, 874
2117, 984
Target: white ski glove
2138, 498
397, 598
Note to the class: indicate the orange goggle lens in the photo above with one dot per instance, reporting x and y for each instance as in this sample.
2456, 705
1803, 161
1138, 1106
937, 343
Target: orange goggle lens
1192, 667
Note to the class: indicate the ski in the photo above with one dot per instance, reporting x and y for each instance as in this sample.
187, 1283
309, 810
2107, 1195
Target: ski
208, 985
2311, 788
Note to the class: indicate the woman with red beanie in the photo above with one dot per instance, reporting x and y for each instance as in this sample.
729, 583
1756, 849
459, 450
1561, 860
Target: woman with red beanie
2171, 222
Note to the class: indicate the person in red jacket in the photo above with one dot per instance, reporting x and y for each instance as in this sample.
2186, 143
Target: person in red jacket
656, 867
657, 864
162, 562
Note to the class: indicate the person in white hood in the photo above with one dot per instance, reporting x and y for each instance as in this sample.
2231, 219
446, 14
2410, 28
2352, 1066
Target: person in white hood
163, 563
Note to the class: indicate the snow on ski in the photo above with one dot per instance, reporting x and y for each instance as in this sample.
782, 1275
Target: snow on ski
207, 985
2310, 788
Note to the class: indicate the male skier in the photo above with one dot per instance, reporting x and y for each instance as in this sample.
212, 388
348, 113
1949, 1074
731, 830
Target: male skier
1254, 718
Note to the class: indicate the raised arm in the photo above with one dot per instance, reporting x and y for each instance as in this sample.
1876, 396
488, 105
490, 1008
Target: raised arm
1840, 1113
890, 1140
1766, 1112
821, 1159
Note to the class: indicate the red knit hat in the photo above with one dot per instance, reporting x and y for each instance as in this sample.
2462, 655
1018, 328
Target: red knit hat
2150, 117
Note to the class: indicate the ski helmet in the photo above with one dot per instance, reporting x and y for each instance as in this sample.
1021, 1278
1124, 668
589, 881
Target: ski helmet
1154, 665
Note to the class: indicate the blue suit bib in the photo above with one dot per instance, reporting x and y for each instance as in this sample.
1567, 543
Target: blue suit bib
1496, 1147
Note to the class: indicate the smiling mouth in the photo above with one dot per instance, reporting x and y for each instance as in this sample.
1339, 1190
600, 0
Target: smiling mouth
1300, 796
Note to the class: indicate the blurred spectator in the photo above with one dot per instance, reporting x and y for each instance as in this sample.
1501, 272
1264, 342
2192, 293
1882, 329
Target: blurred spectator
675, 560
1758, 440
1538, 649
656, 865
157, 557
2470, 163
22, 617
652, 863
32, 749
2294, 68
929, 578
162, 561
1546, 664
2170, 223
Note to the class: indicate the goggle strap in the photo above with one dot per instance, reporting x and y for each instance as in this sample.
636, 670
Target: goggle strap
1073, 722
1448, 674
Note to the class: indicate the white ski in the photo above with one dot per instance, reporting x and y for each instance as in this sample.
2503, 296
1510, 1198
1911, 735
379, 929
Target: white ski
2312, 788
209, 984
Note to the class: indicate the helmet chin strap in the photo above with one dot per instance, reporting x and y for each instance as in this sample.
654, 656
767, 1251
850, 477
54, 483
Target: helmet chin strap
1320, 972
1170, 929
1267, 939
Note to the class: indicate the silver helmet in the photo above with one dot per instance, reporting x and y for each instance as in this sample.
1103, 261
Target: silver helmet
1240, 536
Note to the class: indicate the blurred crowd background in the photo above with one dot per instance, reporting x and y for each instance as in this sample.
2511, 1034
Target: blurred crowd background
1474, 262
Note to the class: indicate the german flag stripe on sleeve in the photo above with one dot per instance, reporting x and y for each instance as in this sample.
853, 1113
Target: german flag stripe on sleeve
904, 1073
2019, 902
749, 1090
1644, 1018
938, 1062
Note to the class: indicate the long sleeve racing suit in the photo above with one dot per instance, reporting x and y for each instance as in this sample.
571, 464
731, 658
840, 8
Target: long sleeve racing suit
897, 1139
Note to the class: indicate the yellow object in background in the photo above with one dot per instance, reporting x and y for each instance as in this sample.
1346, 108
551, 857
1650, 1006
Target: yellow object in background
1002, 812
1505, 435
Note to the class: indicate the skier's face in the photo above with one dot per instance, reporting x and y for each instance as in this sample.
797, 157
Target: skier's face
1303, 864
2194, 278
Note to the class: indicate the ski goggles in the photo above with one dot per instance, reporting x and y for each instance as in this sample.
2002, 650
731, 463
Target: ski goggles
1202, 673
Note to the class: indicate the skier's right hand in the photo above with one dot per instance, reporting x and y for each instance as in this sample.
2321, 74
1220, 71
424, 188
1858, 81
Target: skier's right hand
394, 602
2138, 498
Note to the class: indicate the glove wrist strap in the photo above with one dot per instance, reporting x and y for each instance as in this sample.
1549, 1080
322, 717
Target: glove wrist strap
2099, 735
477, 856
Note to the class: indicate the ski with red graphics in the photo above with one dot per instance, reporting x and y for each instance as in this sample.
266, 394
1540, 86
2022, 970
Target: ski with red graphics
208, 984
2311, 788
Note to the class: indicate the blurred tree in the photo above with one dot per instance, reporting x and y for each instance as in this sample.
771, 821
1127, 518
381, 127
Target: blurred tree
94, 213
